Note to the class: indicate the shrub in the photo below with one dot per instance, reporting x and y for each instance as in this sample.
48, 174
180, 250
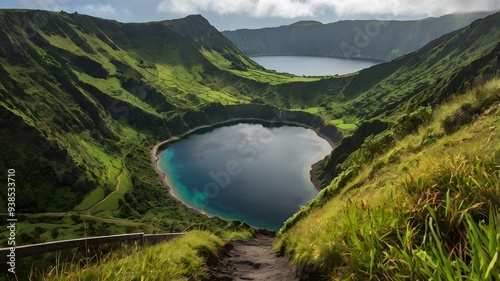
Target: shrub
378, 144
54, 233
409, 123
459, 118
76, 219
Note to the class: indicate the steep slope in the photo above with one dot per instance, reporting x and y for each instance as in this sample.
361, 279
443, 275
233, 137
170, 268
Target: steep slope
420, 206
82, 101
66, 77
425, 77
413, 193
381, 40
445, 66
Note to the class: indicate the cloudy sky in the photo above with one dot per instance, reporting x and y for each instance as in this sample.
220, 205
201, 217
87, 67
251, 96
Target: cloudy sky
234, 14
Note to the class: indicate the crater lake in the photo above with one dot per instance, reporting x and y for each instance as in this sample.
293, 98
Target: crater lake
313, 65
245, 171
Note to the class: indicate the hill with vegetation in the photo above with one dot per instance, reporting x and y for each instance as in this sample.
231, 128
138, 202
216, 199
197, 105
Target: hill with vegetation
419, 201
375, 39
84, 99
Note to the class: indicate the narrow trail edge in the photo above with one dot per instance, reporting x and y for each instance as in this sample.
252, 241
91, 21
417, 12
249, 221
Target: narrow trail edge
252, 259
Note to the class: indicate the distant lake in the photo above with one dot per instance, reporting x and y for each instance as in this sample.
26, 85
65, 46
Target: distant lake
245, 172
312, 65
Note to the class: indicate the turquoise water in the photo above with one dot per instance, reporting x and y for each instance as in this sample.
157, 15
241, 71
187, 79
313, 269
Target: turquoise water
312, 65
245, 172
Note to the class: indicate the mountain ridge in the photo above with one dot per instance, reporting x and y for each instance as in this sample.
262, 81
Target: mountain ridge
141, 86
368, 39
87, 98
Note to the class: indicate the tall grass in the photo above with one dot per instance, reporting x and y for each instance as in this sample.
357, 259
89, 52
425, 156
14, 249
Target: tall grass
425, 208
454, 188
453, 230
478, 259
182, 258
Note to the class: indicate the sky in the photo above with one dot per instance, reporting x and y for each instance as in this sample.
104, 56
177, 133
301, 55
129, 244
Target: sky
237, 14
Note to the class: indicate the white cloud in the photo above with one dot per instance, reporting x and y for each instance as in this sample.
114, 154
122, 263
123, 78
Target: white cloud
310, 8
50, 5
222, 7
102, 10
284, 9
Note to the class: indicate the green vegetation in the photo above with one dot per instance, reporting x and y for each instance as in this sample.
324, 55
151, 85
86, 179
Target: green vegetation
78, 119
424, 207
83, 100
175, 260
182, 258
253, 73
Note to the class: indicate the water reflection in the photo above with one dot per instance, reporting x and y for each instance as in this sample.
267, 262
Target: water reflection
246, 171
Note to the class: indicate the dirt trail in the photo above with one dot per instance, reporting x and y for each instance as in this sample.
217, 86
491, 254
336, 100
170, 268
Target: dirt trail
117, 188
253, 259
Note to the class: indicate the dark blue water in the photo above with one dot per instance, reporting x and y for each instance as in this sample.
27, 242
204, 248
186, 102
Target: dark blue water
245, 172
312, 65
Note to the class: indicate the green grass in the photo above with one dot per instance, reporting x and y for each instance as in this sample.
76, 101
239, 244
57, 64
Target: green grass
90, 200
347, 128
182, 258
268, 77
64, 43
178, 259
424, 208
253, 73
56, 121
106, 207
112, 87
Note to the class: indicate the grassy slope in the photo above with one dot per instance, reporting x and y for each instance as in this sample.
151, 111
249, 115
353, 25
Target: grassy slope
356, 229
91, 124
87, 112
182, 258
424, 78
84, 99
370, 221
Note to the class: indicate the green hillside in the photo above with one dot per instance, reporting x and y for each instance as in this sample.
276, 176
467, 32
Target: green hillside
83, 101
417, 201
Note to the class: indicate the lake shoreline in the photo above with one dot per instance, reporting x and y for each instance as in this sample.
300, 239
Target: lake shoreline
314, 66
163, 177
313, 178
318, 56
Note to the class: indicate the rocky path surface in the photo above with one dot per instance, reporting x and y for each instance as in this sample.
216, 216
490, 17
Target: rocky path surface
253, 259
